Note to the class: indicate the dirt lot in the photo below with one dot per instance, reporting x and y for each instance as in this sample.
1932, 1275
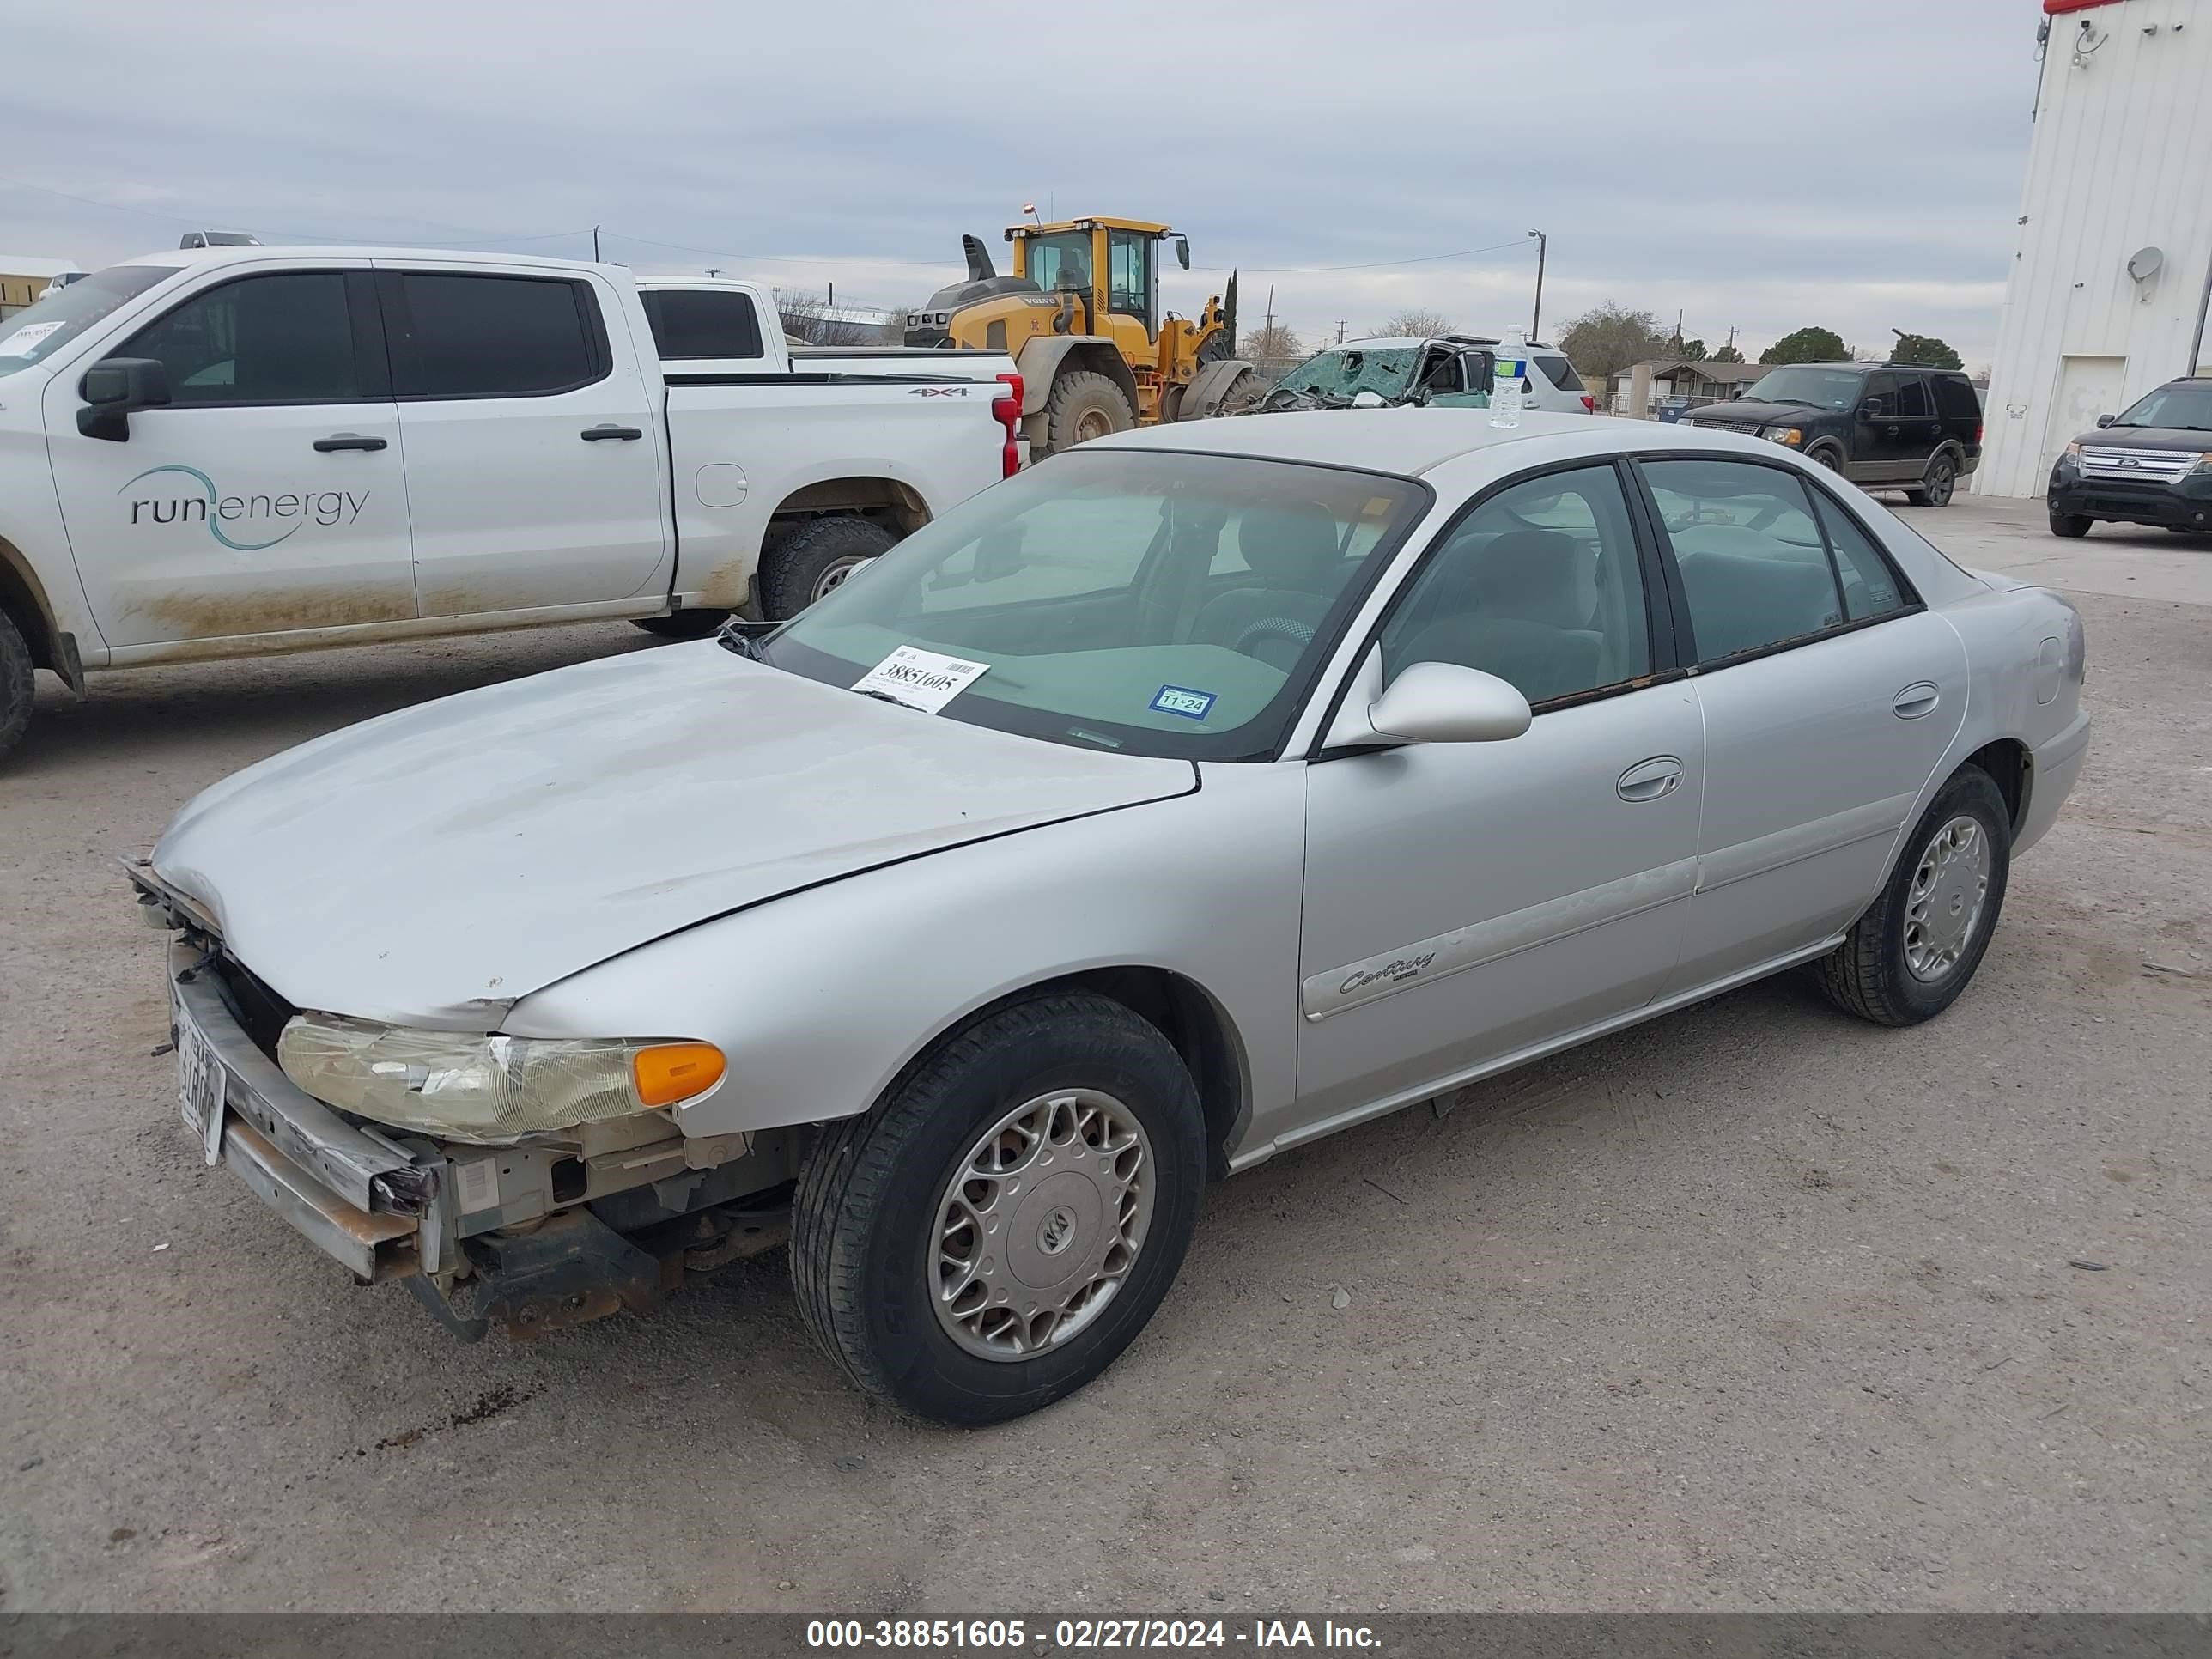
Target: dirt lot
1751, 1308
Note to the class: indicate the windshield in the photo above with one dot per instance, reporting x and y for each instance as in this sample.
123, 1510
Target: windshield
2185, 404
39, 331
1059, 261
1147, 601
1824, 388
1351, 369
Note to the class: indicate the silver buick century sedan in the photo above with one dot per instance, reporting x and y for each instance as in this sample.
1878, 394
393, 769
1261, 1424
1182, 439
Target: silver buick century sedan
1197, 793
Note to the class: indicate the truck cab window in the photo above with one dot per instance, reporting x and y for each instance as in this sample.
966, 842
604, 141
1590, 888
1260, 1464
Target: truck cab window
286, 338
693, 323
470, 336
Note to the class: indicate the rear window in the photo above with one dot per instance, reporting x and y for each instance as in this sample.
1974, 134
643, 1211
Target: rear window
1954, 397
694, 322
470, 336
1559, 372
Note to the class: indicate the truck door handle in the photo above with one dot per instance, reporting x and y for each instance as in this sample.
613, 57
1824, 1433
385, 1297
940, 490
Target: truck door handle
1915, 700
1649, 780
606, 429
348, 441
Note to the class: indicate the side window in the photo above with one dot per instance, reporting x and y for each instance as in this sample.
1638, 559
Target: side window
1128, 275
1540, 585
1754, 567
470, 336
1954, 396
1913, 403
283, 338
1559, 372
1879, 393
693, 323
1871, 588
1440, 377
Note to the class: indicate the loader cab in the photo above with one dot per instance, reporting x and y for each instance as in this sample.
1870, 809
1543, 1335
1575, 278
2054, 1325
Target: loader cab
1110, 266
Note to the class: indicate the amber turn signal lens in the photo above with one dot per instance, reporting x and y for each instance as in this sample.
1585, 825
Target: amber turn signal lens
670, 1072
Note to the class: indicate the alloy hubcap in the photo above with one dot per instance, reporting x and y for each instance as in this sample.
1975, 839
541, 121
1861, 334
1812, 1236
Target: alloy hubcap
835, 576
1949, 888
1939, 485
1040, 1223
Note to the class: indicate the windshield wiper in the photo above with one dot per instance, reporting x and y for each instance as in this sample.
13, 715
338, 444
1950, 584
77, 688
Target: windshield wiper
744, 636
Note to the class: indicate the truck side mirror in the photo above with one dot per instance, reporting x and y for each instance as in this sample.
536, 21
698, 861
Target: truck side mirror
2106, 420
114, 386
1182, 251
1482, 368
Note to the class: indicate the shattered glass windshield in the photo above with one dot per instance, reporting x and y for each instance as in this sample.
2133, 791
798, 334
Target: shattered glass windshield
1344, 371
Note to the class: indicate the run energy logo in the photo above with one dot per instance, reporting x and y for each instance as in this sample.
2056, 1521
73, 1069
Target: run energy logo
249, 513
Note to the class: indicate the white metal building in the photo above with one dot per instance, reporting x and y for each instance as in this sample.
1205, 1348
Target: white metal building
2112, 269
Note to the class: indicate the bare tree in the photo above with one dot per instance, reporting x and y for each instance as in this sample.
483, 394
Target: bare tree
1607, 338
808, 316
1271, 342
1417, 323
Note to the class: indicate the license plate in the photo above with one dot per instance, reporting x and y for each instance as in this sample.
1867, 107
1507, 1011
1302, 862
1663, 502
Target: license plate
199, 1086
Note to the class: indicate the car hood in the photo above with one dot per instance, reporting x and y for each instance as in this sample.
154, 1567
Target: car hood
1743, 409
2147, 437
433, 866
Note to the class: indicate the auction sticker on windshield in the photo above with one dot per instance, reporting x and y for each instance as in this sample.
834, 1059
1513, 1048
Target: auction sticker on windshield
1182, 700
25, 338
920, 679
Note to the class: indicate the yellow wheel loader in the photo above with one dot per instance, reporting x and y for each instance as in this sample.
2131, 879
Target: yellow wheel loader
1080, 316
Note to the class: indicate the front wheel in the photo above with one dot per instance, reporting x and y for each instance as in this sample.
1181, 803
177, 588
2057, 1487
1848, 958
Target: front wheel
1830, 458
1002, 1225
1910, 955
2072, 525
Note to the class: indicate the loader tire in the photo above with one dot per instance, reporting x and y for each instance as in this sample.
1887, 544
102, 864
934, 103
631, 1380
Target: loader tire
1084, 405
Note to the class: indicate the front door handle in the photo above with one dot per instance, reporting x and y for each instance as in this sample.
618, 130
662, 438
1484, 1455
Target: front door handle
1650, 780
1915, 700
349, 441
606, 429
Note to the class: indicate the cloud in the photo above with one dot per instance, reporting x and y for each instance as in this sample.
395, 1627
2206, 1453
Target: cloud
1750, 165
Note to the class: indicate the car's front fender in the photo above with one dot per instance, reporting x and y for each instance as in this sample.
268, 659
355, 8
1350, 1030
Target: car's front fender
822, 998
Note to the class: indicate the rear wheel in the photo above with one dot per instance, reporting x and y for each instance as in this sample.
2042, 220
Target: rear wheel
1937, 486
816, 558
1084, 405
694, 625
16, 689
2069, 525
1909, 956
1002, 1225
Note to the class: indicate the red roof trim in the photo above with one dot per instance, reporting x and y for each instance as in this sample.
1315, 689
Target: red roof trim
2054, 6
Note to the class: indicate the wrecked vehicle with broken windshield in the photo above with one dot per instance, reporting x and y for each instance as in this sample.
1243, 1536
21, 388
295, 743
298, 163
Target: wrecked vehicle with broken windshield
1199, 792
1380, 373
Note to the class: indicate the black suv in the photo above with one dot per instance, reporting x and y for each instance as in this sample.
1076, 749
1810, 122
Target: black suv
2152, 465
1884, 426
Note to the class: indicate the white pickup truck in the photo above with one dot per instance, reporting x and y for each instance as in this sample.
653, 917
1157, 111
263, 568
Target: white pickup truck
231, 450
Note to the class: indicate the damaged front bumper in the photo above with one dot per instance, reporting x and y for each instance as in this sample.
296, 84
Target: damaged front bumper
481, 1235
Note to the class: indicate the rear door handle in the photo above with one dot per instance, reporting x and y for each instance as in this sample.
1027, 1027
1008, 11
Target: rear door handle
1649, 780
348, 441
600, 434
1915, 700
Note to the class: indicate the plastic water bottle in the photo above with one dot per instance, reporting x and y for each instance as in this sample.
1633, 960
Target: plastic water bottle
1505, 388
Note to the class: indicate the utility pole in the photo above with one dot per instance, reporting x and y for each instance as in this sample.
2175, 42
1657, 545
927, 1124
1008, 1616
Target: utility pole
595, 245
714, 271
1340, 330
833, 296
1536, 315
1267, 333
1731, 339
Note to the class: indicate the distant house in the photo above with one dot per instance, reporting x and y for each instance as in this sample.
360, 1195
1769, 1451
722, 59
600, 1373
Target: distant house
24, 278
1640, 388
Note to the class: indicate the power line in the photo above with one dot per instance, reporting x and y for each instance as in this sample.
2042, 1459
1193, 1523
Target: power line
1371, 264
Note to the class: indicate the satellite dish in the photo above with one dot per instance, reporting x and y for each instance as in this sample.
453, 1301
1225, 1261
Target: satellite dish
2145, 263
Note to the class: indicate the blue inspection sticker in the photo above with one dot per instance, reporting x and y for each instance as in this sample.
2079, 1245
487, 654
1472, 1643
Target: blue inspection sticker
1182, 700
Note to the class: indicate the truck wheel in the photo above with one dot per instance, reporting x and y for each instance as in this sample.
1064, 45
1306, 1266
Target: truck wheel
1936, 487
15, 687
1002, 1225
1828, 456
1085, 405
2069, 525
815, 558
1908, 957
692, 624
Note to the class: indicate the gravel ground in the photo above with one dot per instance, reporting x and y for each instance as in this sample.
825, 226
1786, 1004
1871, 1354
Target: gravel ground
1754, 1308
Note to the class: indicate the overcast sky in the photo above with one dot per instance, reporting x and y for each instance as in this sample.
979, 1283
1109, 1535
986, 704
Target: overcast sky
1754, 165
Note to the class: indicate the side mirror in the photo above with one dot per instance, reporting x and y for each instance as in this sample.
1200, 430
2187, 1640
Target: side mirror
1874, 410
1483, 367
2106, 420
1430, 702
1182, 251
114, 386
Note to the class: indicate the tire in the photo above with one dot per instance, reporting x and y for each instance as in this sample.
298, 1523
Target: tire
1937, 485
1872, 973
693, 624
16, 689
1829, 457
867, 1223
1083, 405
816, 557
2070, 524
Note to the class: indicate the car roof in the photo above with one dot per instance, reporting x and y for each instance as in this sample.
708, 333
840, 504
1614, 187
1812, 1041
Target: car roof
1408, 442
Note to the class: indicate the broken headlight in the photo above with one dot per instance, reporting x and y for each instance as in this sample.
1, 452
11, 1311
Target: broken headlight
487, 1090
